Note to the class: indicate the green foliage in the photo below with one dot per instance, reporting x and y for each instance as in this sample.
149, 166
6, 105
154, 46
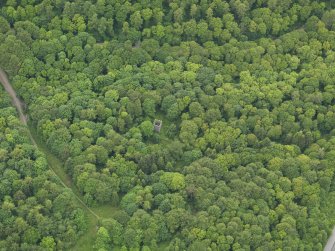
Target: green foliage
244, 160
103, 240
48, 243
147, 128
174, 181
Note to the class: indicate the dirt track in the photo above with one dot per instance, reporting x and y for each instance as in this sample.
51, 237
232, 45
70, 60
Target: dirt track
16, 102
330, 246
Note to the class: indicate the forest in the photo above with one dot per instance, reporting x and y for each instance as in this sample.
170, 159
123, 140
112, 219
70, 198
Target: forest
245, 157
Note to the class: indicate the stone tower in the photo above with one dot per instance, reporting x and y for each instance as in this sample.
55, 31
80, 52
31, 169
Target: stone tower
157, 125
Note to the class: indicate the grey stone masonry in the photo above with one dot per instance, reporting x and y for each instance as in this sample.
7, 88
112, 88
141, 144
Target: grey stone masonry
157, 125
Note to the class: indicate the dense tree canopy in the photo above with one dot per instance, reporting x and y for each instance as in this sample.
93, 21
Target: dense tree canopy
244, 160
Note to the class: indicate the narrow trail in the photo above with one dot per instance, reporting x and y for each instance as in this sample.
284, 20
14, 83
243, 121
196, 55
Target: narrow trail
16, 102
330, 246
23, 118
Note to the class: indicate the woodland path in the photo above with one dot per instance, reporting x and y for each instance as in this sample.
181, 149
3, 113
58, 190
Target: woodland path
18, 104
64, 180
330, 246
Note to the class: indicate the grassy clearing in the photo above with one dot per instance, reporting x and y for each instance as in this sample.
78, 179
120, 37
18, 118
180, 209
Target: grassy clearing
105, 211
